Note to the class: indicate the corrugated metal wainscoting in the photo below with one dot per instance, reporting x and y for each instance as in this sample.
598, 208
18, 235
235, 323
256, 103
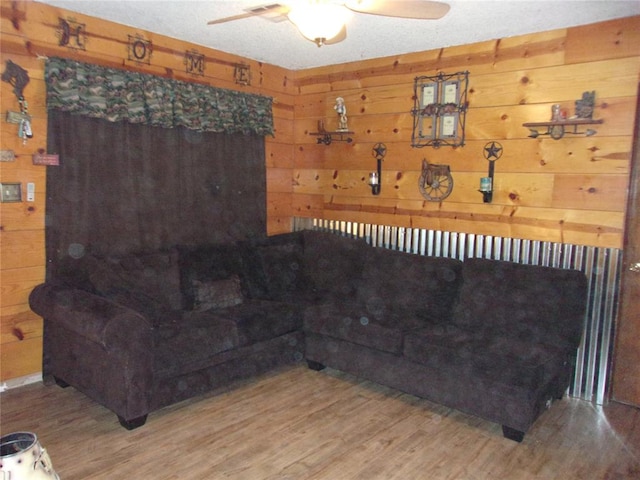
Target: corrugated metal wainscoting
601, 265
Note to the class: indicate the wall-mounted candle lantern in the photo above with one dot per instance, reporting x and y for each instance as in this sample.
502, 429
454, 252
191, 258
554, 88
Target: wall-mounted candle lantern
375, 178
492, 151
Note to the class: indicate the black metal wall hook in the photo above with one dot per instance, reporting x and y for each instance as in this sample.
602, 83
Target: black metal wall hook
17, 77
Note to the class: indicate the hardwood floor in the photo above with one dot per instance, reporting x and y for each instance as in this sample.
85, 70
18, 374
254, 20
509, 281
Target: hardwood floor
300, 424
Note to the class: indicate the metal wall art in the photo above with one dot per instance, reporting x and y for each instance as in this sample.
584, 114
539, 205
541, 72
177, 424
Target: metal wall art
436, 182
440, 108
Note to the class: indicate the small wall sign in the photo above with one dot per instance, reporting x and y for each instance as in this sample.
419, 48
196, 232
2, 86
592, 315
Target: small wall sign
42, 158
194, 62
139, 49
242, 74
7, 156
71, 34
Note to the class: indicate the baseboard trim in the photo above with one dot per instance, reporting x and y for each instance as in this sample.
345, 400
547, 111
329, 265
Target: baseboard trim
20, 381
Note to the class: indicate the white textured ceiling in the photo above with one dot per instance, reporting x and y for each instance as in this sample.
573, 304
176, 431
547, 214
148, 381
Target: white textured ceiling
368, 36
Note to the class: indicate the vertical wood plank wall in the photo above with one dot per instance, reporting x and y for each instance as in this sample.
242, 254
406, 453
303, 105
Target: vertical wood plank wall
30, 31
570, 191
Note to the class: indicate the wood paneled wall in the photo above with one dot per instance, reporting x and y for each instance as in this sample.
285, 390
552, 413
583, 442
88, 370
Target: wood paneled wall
571, 190
29, 32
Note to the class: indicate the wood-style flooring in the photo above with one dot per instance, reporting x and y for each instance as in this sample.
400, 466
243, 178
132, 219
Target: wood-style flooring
299, 424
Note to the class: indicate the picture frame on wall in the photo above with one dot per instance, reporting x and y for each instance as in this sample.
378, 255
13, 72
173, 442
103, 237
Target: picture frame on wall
450, 92
449, 126
440, 107
429, 94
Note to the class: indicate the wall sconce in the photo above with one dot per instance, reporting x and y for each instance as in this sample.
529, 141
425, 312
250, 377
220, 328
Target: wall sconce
492, 151
375, 178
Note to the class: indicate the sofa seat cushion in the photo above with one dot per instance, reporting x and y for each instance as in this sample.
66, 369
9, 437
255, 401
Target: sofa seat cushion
409, 284
259, 320
190, 343
356, 325
485, 356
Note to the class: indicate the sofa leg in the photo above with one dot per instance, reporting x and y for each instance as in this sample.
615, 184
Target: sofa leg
317, 366
133, 423
512, 434
61, 383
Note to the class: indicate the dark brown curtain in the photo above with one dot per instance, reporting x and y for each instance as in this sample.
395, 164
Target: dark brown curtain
124, 187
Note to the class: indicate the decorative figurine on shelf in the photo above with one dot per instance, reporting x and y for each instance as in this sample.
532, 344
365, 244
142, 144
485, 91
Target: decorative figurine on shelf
341, 109
585, 106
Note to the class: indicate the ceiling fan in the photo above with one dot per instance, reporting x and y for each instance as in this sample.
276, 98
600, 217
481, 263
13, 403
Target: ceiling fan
324, 21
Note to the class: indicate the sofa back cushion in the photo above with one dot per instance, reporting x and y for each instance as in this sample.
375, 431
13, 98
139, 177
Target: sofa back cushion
282, 263
524, 302
334, 263
156, 275
420, 286
148, 282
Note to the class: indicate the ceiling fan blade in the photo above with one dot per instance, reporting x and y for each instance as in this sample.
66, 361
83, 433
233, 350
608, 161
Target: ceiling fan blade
271, 11
420, 9
231, 19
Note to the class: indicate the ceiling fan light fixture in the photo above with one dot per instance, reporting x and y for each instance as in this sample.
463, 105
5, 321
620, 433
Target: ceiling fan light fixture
318, 21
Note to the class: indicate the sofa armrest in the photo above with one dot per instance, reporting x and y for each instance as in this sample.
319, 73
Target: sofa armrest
113, 326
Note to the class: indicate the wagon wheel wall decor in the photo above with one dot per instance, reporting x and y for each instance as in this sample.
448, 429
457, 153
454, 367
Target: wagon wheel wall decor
436, 182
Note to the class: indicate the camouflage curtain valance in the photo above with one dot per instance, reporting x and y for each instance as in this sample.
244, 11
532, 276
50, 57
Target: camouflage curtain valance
120, 95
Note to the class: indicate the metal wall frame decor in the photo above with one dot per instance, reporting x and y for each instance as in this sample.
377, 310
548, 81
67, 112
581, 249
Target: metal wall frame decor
440, 109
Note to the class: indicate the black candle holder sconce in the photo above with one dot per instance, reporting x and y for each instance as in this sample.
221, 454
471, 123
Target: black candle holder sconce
492, 151
375, 178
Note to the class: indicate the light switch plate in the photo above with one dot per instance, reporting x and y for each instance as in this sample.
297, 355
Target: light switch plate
31, 192
10, 192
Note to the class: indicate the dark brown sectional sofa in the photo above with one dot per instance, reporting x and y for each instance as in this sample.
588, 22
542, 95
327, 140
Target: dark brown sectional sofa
142, 331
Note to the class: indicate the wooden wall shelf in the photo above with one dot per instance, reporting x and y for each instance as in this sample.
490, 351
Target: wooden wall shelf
557, 128
328, 137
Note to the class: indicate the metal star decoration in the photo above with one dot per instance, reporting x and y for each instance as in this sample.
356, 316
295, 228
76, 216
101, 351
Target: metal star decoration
492, 150
379, 150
